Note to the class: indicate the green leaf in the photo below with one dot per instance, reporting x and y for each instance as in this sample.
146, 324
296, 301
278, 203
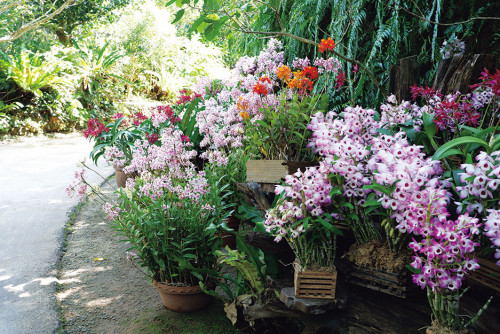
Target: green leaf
384, 131
212, 5
378, 188
457, 142
263, 124
452, 151
170, 3
429, 125
196, 23
348, 205
178, 16
372, 202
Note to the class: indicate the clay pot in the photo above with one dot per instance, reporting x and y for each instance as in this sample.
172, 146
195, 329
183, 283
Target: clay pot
120, 177
228, 238
184, 299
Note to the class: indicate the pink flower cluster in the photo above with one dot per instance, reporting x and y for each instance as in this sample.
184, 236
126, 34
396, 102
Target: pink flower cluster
79, 187
114, 157
343, 143
481, 183
304, 194
186, 96
455, 110
331, 64
164, 114
395, 162
167, 167
112, 210
393, 113
94, 128
492, 230
441, 256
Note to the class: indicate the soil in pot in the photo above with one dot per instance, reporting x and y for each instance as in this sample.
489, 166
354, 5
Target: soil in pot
378, 256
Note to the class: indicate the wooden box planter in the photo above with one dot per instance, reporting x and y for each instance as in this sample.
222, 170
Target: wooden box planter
314, 284
396, 284
488, 274
271, 172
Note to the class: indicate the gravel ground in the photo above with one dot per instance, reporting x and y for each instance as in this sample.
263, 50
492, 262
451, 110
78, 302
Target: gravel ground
100, 291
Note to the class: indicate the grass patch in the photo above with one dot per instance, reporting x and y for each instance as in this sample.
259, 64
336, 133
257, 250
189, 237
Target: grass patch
211, 319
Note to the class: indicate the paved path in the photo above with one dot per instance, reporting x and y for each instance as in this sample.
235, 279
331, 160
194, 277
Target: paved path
34, 207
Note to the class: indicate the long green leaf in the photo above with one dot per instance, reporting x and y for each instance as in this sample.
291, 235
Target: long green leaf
458, 142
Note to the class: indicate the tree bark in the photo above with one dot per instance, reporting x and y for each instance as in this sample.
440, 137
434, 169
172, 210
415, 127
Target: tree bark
403, 75
34, 24
63, 37
458, 73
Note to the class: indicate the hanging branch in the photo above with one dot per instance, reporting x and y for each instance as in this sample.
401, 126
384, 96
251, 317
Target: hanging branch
3, 8
35, 23
477, 18
244, 29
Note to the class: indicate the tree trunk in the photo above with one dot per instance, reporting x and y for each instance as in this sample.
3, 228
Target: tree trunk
63, 37
458, 73
403, 75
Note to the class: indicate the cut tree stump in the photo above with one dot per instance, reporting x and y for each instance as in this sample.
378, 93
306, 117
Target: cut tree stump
403, 75
254, 194
458, 73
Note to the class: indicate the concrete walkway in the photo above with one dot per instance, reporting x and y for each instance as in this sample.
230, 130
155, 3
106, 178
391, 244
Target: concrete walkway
34, 207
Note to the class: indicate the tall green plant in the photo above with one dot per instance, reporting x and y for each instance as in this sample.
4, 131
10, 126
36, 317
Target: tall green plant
30, 72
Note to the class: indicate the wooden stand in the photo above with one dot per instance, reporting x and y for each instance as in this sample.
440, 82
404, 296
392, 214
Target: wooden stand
487, 275
314, 284
396, 284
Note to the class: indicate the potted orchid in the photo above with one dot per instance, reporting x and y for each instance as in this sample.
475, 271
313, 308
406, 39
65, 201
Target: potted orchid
301, 218
115, 141
170, 215
442, 260
265, 107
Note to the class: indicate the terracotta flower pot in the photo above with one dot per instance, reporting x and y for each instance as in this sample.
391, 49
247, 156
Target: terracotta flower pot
184, 299
120, 177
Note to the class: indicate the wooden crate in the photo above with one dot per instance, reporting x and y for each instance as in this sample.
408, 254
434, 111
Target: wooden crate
272, 171
488, 274
315, 284
396, 284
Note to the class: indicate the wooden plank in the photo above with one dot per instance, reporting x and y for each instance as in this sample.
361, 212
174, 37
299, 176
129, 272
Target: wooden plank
314, 286
273, 171
308, 274
487, 275
266, 171
305, 280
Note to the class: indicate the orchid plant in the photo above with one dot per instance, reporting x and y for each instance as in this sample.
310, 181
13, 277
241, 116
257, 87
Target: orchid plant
264, 106
442, 258
480, 195
171, 213
301, 218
